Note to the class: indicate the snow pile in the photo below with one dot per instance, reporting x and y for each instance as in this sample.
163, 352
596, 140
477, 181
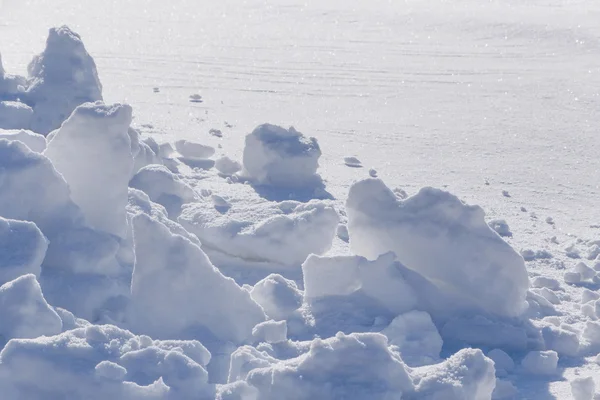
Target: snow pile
275, 156
100, 362
24, 312
163, 187
177, 292
61, 78
446, 241
32, 140
15, 115
92, 151
282, 233
22, 249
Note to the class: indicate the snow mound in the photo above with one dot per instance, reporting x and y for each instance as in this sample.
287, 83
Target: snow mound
24, 312
443, 239
282, 233
279, 297
100, 362
92, 151
61, 78
356, 366
22, 249
15, 115
275, 156
32, 140
163, 187
468, 374
177, 292
192, 150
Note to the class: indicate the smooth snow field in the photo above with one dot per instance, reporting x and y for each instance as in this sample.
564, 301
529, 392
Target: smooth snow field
244, 199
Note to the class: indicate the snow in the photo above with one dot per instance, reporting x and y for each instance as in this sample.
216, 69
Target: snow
61, 78
445, 240
429, 93
275, 156
15, 115
22, 249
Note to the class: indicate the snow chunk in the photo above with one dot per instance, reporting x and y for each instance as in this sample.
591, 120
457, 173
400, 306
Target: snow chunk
163, 187
356, 366
282, 233
276, 156
61, 78
22, 249
572, 277
591, 332
468, 374
562, 341
191, 150
226, 166
270, 332
501, 227
544, 282
279, 297
175, 289
352, 162
540, 362
92, 150
586, 272
587, 295
71, 364
24, 312
417, 338
583, 388
32, 140
443, 239
502, 361
379, 280
15, 115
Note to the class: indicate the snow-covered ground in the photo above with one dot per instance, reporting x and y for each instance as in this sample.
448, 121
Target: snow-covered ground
496, 102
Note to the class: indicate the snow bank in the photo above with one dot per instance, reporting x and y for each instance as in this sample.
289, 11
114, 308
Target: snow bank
32, 140
177, 292
92, 151
22, 249
15, 115
61, 78
163, 187
276, 156
283, 233
446, 241
356, 366
100, 362
24, 312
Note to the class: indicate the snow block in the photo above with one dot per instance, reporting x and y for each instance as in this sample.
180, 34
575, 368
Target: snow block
278, 296
22, 249
443, 239
24, 313
61, 78
176, 291
276, 156
92, 151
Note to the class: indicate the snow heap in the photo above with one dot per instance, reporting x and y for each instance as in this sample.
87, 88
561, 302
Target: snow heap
275, 156
100, 362
92, 151
444, 240
61, 78
22, 249
283, 233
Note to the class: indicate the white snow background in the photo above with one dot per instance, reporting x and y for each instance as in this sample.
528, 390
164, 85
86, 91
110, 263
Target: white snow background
242, 246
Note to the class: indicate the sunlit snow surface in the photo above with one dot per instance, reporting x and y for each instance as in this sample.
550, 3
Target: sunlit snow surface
478, 98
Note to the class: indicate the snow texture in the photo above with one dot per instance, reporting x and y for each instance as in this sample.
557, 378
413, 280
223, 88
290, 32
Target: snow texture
61, 78
443, 239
